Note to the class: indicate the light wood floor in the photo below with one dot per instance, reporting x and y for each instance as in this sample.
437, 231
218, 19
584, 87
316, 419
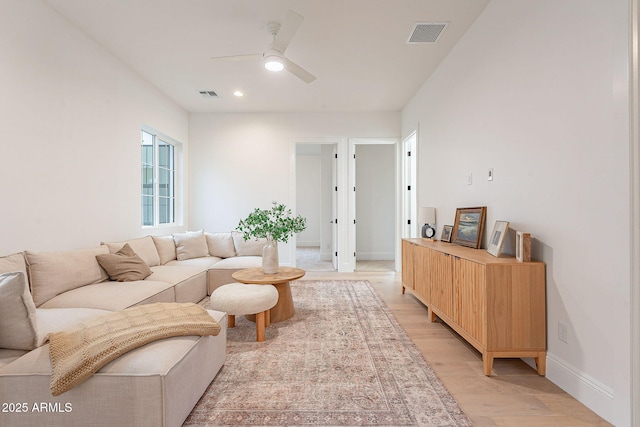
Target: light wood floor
515, 395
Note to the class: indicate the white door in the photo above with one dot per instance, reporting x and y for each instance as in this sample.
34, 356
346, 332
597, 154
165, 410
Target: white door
409, 194
334, 207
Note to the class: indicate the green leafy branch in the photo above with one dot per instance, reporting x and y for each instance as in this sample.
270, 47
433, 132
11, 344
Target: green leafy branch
277, 223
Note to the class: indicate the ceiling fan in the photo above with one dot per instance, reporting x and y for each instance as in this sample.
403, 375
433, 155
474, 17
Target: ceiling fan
273, 58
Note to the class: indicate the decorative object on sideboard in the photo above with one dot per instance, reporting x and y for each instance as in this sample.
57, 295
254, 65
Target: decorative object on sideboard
276, 225
497, 237
468, 226
427, 217
523, 246
446, 233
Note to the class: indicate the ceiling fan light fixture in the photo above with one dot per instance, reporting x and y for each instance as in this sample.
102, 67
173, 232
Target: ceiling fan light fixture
274, 65
273, 62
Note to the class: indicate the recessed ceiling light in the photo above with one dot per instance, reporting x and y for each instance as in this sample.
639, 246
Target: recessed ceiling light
238, 93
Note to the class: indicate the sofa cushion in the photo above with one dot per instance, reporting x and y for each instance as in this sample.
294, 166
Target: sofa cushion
174, 274
166, 248
221, 272
52, 273
238, 263
14, 262
220, 244
143, 246
251, 247
191, 244
114, 295
205, 262
51, 320
18, 327
189, 282
125, 265
7, 356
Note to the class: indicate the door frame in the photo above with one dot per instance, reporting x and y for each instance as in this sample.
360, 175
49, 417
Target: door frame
634, 149
410, 178
341, 145
352, 198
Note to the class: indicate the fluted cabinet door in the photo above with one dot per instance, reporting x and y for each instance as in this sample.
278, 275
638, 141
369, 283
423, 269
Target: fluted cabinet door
441, 281
470, 288
408, 265
421, 273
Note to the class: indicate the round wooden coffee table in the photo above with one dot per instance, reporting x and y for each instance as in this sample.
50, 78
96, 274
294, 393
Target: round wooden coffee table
284, 309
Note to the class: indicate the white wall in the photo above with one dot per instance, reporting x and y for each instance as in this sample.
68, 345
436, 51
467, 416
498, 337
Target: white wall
375, 202
243, 161
308, 197
535, 92
71, 116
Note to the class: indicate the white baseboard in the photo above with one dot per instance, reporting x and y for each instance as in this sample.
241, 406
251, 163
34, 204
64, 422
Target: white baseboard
592, 393
375, 256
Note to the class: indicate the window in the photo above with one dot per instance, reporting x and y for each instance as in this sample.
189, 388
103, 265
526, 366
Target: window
158, 179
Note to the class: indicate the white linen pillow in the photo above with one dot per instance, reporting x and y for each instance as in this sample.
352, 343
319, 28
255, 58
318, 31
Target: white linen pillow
13, 262
191, 244
166, 248
251, 247
18, 324
220, 244
52, 273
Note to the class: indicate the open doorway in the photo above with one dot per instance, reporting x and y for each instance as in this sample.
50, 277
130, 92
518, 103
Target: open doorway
316, 200
374, 204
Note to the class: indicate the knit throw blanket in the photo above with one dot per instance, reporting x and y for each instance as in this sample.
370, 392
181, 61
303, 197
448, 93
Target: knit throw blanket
78, 353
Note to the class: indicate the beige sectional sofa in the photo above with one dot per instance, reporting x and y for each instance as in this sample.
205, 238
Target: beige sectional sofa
155, 385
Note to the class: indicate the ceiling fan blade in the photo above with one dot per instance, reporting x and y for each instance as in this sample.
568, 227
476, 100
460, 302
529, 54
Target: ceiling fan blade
237, 57
288, 29
298, 71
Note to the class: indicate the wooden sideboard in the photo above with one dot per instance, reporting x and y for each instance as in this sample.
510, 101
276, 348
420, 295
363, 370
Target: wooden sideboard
496, 304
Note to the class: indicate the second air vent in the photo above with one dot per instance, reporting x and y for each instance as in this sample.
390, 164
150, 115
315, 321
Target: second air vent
427, 32
208, 94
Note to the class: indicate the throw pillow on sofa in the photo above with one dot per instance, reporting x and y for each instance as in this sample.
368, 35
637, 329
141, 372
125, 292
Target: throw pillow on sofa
166, 248
250, 247
53, 273
220, 244
125, 265
144, 246
18, 329
191, 244
13, 262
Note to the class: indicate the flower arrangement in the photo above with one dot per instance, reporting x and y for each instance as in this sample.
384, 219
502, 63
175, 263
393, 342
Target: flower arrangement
277, 223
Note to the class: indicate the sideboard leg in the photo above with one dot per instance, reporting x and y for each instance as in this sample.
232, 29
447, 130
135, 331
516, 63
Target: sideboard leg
431, 315
541, 363
403, 290
487, 363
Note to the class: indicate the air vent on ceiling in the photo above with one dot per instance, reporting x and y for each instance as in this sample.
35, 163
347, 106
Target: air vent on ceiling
208, 94
427, 32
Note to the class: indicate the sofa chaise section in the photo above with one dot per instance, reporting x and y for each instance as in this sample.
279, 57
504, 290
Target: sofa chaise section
154, 385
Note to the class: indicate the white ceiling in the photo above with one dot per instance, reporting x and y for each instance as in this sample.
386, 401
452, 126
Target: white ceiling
357, 49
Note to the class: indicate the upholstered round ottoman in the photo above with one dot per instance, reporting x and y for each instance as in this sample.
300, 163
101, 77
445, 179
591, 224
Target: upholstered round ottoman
239, 298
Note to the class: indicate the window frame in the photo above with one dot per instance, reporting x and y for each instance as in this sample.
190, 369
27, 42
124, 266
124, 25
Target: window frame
158, 138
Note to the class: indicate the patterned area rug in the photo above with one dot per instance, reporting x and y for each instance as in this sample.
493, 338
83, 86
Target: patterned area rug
342, 360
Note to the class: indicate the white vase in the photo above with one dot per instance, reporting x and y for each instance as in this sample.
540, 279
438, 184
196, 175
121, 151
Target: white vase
270, 263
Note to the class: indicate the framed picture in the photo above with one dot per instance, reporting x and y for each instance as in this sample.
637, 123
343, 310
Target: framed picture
468, 227
497, 237
446, 233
